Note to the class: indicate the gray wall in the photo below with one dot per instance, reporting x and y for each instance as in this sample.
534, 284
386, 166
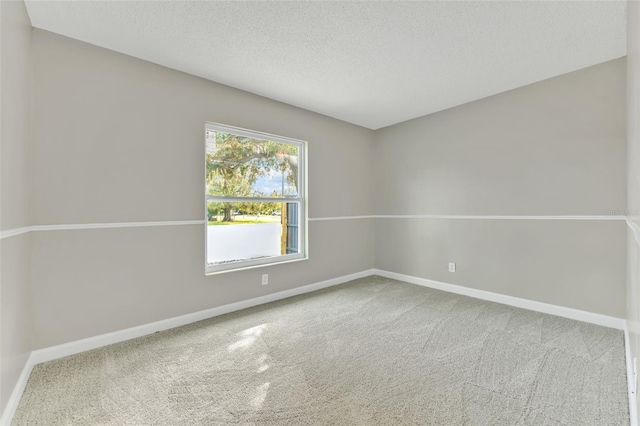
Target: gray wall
15, 194
552, 148
633, 176
118, 139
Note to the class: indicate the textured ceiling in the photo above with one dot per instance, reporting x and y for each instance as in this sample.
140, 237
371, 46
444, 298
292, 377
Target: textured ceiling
368, 63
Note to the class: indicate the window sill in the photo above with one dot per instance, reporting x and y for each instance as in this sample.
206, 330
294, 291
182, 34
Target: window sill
255, 266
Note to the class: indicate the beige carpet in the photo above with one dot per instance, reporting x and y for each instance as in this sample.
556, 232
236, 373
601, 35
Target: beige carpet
370, 352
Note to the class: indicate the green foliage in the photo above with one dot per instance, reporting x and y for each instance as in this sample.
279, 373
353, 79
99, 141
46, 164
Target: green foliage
247, 221
236, 164
257, 209
213, 210
238, 161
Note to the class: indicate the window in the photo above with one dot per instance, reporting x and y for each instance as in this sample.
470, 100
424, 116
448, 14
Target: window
255, 189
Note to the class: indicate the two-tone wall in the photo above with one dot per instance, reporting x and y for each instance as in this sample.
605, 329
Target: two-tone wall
553, 151
15, 194
120, 140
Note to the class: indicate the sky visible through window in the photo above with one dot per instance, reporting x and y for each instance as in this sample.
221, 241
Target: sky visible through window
243, 167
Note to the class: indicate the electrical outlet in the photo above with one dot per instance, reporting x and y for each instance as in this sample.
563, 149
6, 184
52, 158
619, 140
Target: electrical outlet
452, 267
265, 279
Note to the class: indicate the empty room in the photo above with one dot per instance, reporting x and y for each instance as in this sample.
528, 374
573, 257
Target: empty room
319, 212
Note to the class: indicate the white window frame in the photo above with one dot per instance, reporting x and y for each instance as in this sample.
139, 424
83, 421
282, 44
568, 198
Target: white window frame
301, 199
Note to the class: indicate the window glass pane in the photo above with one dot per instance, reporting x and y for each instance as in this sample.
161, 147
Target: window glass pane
238, 232
239, 166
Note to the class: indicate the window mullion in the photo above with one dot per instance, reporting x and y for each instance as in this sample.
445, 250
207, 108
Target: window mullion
252, 200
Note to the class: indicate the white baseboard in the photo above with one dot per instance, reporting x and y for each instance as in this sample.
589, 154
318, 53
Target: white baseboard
71, 348
18, 390
532, 305
631, 379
